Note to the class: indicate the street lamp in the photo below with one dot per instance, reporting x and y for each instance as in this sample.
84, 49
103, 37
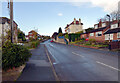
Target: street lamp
109, 29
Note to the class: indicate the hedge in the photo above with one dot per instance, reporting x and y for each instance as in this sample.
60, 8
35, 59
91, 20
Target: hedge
14, 55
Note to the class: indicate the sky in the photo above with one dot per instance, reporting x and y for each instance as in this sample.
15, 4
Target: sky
47, 17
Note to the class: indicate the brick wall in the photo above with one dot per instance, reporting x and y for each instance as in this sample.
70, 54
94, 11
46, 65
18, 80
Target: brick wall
115, 36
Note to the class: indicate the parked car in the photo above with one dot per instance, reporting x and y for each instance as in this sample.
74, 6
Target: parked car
51, 41
20, 44
86, 39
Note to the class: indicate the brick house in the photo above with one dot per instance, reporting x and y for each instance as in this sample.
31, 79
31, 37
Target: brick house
74, 27
32, 35
103, 32
84, 35
5, 27
114, 32
98, 32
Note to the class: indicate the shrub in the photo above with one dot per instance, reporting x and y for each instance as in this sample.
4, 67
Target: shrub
14, 55
66, 36
35, 44
60, 34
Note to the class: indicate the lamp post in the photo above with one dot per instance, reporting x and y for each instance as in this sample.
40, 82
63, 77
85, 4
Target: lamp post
109, 29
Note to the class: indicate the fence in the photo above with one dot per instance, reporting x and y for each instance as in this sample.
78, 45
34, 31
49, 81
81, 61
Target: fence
115, 45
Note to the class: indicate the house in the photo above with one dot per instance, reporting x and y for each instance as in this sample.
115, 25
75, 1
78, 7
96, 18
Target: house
114, 32
5, 27
74, 27
98, 32
27, 37
84, 35
32, 35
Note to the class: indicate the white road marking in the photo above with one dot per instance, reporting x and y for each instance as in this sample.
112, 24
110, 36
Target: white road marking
53, 56
108, 66
51, 45
77, 54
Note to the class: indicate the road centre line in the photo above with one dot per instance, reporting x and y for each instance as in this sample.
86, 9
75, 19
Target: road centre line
77, 54
108, 66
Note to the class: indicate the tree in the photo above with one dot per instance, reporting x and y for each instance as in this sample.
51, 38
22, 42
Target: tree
21, 35
89, 29
60, 30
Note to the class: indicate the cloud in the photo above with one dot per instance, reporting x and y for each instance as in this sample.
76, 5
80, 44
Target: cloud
107, 5
60, 14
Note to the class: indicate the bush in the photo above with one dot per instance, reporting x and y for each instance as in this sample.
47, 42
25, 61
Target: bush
14, 55
60, 34
35, 44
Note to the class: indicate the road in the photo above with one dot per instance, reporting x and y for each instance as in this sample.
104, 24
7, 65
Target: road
73, 63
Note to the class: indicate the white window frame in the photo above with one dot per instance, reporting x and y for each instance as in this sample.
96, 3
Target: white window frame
96, 27
113, 26
106, 36
111, 36
91, 34
103, 24
100, 32
118, 35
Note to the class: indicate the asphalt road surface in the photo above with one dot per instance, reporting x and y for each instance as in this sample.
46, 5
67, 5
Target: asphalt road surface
73, 63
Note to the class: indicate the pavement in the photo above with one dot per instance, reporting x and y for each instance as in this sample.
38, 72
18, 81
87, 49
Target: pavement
73, 63
38, 68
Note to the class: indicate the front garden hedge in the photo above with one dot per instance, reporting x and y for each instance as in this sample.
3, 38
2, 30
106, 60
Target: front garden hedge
14, 55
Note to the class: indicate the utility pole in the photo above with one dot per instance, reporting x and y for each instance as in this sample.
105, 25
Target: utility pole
11, 19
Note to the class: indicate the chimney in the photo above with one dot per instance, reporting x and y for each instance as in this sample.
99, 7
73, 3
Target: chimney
79, 21
100, 23
74, 21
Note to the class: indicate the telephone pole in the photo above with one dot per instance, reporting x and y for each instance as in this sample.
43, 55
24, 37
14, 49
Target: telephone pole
11, 19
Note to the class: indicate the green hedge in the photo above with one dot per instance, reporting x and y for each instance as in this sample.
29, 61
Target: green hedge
14, 55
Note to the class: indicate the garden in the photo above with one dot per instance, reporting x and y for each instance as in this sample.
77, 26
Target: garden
91, 43
14, 58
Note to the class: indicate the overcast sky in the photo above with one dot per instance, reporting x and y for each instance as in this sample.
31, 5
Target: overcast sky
47, 17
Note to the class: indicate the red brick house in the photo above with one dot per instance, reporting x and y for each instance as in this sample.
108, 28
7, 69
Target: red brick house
98, 32
84, 35
32, 35
114, 32
102, 31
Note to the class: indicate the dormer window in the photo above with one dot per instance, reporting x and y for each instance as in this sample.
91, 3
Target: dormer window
96, 26
113, 26
103, 24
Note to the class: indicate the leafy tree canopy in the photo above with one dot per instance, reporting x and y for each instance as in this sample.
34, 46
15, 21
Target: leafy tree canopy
60, 30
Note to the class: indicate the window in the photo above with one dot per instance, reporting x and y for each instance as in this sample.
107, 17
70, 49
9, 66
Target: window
96, 26
68, 30
111, 36
107, 37
98, 34
103, 24
83, 36
118, 35
30, 33
113, 26
91, 34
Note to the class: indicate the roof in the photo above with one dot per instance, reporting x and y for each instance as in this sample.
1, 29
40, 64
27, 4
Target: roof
116, 30
32, 31
5, 19
77, 23
95, 30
